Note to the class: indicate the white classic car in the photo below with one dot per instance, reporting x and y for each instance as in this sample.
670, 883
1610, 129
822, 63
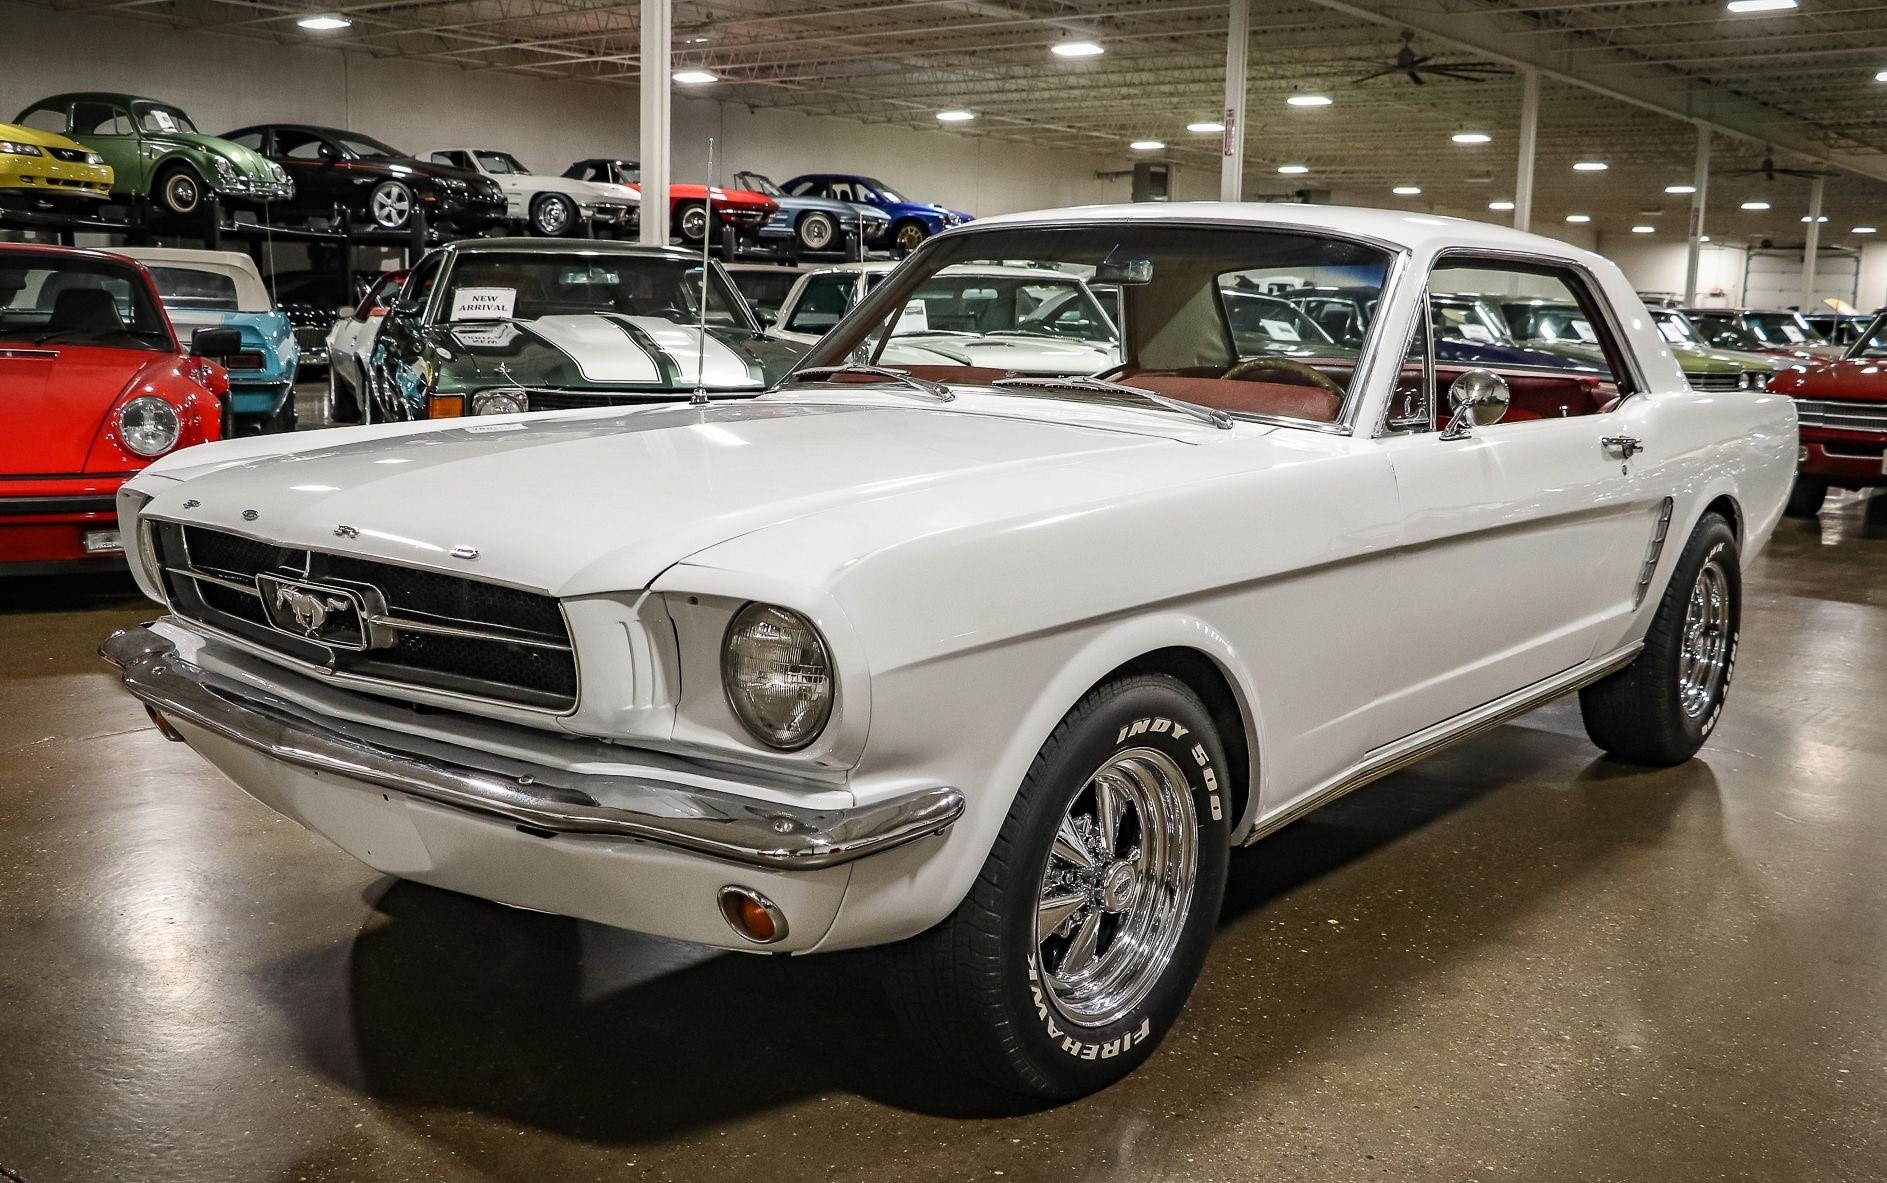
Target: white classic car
989, 669
550, 205
1022, 320
350, 347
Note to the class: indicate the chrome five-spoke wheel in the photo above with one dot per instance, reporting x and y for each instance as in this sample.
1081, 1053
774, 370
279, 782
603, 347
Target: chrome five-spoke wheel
1116, 887
1705, 643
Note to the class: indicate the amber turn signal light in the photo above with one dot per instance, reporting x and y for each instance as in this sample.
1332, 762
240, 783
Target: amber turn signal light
752, 915
445, 406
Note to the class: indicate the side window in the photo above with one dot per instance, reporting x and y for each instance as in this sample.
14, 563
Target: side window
1411, 401
455, 159
251, 140
52, 119
842, 190
100, 119
297, 145
824, 300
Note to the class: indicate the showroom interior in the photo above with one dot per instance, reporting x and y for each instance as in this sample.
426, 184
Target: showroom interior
577, 668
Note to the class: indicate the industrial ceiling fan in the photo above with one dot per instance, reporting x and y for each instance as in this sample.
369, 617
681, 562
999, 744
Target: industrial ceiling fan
1768, 171
1420, 67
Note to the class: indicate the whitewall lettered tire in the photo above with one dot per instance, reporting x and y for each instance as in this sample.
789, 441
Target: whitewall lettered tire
1075, 949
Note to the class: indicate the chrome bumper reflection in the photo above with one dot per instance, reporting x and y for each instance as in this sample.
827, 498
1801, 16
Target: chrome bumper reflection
711, 822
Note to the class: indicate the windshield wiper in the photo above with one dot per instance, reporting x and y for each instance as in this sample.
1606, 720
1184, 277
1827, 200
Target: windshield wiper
1216, 418
929, 389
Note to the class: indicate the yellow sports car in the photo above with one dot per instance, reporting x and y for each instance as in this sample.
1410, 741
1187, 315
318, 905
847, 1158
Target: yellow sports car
40, 166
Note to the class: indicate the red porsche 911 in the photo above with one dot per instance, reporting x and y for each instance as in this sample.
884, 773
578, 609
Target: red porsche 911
94, 385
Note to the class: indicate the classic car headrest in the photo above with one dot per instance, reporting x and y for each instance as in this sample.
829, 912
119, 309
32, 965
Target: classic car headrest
85, 310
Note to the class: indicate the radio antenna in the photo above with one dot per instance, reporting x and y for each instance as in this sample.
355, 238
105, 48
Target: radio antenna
700, 398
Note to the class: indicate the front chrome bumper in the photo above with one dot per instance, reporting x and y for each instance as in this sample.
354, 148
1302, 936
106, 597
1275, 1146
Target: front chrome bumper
720, 824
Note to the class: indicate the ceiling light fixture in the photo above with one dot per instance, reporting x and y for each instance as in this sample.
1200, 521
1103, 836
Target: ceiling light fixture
1761, 5
1471, 137
1680, 188
324, 22
1755, 205
1076, 49
1590, 166
695, 77
1294, 170
1205, 126
1500, 205
1823, 218
955, 116
1703, 238
1578, 217
1407, 190
1644, 229
1147, 145
1881, 77
1310, 100
1863, 230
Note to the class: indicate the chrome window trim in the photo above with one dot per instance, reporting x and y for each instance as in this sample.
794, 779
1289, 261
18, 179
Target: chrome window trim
1593, 288
1420, 324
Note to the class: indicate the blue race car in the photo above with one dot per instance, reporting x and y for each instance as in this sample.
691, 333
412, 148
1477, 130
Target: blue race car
216, 289
911, 221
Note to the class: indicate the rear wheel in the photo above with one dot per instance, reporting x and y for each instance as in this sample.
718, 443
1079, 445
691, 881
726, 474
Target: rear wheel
691, 222
1662, 707
816, 231
553, 215
390, 205
1078, 944
1806, 497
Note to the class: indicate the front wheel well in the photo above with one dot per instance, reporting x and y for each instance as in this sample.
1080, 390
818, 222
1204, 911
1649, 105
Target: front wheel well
1726, 507
1203, 675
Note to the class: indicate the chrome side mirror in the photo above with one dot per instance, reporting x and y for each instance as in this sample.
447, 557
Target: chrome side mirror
1479, 398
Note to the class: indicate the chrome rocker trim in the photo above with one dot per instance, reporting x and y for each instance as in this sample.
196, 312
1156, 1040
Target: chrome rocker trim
1412, 749
704, 821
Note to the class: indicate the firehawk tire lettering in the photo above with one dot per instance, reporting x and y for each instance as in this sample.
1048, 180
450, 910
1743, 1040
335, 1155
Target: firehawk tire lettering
1079, 1049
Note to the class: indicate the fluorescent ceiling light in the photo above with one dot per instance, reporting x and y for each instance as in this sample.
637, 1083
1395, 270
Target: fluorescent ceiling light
1761, 5
324, 22
1864, 230
1703, 238
1076, 49
1471, 137
1590, 166
1309, 100
1881, 77
1407, 190
1206, 125
1680, 188
694, 77
1644, 229
1755, 205
1147, 145
955, 116
1293, 170
1823, 218
1578, 217
1500, 205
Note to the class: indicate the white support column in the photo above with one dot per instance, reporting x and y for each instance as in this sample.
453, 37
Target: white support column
1529, 144
657, 17
1700, 180
1232, 152
1811, 246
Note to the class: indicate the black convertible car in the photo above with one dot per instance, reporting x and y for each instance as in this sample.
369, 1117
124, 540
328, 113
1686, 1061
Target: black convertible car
379, 185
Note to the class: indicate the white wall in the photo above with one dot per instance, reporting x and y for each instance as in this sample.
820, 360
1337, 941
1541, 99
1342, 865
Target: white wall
226, 82
1656, 264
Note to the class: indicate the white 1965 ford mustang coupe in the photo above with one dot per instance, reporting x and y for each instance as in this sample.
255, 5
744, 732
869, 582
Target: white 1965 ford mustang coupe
989, 669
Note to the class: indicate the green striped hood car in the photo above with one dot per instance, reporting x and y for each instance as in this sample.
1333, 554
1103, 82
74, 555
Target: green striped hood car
155, 151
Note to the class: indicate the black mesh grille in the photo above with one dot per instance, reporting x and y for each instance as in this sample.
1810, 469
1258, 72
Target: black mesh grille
503, 666
564, 400
72, 155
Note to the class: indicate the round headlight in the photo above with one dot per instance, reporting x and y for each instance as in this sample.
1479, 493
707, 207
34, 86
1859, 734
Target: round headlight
777, 676
498, 402
277, 171
224, 168
149, 426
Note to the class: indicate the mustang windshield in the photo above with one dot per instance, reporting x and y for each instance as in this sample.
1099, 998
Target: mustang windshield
1194, 313
77, 302
525, 285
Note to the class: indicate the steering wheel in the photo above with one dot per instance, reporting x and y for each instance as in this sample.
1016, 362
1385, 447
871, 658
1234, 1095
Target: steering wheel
1283, 365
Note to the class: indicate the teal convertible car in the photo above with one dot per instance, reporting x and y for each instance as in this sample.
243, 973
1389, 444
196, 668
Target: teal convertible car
215, 289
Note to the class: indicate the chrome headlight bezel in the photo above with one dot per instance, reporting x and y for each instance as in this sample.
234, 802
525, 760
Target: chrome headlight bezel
503, 400
225, 169
148, 426
742, 685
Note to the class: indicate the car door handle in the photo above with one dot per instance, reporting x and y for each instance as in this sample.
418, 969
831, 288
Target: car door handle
1626, 446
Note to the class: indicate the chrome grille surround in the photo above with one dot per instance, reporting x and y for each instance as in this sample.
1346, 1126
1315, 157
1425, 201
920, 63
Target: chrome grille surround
1732, 380
434, 632
1841, 415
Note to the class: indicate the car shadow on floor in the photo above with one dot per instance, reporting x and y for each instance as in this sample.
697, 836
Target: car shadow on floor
619, 1039
69, 593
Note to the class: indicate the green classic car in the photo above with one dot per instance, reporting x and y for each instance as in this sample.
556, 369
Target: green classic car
1563, 329
1685, 338
156, 152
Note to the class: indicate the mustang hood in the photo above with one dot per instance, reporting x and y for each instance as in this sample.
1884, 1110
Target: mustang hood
605, 501
605, 351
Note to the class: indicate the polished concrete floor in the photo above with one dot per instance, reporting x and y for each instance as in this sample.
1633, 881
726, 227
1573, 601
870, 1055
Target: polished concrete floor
1516, 961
